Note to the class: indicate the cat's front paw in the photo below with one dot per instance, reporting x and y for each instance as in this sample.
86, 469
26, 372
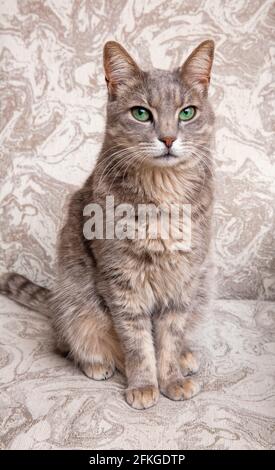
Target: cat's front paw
98, 370
188, 363
142, 397
180, 389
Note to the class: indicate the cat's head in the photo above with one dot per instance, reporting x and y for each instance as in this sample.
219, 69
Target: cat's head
158, 117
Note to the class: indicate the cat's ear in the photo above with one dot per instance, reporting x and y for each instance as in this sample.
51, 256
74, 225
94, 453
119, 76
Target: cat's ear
118, 65
197, 68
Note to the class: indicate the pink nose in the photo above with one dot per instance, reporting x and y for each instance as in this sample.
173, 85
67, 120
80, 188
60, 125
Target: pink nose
168, 141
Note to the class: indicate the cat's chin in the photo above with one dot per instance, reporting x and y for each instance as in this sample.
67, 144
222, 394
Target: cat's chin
165, 160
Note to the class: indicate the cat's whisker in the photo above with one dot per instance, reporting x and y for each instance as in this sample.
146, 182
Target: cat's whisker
195, 146
112, 165
123, 159
201, 159
128, 166
197, 143
114, 156
109, 150
136, 155
204, 148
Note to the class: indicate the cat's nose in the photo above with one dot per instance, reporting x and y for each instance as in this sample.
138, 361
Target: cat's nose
168, 141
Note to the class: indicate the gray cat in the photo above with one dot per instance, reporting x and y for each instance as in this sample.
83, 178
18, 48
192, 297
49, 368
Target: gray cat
128, 303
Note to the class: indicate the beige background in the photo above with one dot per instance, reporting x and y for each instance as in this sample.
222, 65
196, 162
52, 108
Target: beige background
52, 119
53, 96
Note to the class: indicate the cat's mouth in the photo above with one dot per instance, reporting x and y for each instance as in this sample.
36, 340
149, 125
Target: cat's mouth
166, 159
166, 156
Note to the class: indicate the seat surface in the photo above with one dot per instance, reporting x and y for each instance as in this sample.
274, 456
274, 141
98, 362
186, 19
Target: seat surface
47, 403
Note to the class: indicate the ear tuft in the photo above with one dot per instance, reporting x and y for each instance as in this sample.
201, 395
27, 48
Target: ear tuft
197, 68
119, 66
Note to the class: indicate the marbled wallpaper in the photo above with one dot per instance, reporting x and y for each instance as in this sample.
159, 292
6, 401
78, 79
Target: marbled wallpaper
52, 95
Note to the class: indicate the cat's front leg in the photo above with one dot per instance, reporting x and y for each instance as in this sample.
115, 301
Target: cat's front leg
173, 362
134, 329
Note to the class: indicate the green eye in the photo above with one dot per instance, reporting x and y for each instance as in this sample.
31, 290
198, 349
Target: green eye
187, 113
141, 114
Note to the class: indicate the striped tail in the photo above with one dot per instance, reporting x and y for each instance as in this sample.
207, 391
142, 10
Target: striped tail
25, 292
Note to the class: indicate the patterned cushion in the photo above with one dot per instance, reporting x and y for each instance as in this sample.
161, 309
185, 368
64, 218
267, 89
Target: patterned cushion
235, 409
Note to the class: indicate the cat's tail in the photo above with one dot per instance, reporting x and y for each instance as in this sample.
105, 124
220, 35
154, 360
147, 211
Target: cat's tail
25, 292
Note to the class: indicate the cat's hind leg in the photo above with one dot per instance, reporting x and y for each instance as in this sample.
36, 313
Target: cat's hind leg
88, 333
101, 353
